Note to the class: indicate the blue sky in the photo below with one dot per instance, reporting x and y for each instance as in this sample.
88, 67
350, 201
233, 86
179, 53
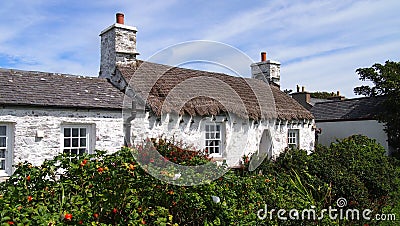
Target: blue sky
319, 43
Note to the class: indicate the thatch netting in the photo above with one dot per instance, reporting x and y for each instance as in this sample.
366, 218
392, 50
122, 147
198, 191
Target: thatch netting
195, 92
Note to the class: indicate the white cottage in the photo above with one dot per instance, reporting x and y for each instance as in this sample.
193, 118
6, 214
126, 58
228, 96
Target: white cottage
43, 114
229, 116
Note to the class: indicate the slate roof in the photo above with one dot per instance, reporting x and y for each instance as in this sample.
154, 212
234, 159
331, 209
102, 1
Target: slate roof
364, 108
57, 90
170, 89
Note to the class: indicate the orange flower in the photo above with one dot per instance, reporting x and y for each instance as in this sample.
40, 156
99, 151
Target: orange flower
28, 178
83, 163
171, 192
68, 217
100, 170
29, 198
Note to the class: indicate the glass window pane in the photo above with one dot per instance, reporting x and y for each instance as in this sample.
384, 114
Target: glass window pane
207, 128
74, 151
83, 142
81, 151
75, 132
67, 132
75, 142
207, 136
2, 164
82, 132
217, 136
211, 151
3, 142
2, 153
216, 149
212, 135
218, 128
67, 142
3, 130
67, 151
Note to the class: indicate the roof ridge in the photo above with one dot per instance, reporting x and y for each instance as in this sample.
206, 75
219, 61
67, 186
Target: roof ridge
44, 73
346, 100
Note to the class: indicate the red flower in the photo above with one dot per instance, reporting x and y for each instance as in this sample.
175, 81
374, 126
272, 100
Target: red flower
83, 163
100, 169
28, 178
68, 217
151, 160
96, 215
115, 210
80, 222
29, 198
10, 223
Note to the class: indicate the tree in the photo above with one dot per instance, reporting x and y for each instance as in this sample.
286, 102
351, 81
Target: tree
386, 80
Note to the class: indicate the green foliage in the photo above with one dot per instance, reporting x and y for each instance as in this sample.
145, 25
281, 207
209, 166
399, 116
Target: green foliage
386, 80
322, 95
114, 189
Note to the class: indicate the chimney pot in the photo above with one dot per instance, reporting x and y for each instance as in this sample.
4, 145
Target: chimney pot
298, 88
303, 89
263, 56
338, 93
120, 18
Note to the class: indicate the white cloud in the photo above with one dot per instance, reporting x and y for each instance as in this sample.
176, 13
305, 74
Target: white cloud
324, 39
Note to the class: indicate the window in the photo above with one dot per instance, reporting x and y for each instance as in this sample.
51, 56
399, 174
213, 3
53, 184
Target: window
5, 149
76, 139
213, 139
293, 138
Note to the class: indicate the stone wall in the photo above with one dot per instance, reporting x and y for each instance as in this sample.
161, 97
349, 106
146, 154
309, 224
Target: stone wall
118, 47
107, 127
242, 137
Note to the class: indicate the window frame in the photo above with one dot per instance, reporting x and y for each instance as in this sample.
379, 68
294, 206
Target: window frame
90, 142
221, 138
8, 157
296, 138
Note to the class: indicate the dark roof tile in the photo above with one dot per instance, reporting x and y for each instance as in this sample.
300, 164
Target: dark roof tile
349, 109
57, 90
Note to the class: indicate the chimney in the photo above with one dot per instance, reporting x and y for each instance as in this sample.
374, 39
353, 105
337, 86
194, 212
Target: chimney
263, 56
118, 47
120, 18
303, 97
266, 70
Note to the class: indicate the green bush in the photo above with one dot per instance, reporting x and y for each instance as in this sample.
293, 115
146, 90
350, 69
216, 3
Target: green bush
116, 189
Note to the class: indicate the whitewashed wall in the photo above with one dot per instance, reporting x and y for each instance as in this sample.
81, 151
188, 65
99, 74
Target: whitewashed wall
27, 121
242, 136
342, 129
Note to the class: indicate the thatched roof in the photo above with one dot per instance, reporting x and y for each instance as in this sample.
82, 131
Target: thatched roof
195, 92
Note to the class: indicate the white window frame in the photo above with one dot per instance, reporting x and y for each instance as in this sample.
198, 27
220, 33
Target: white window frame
293, 138
8, 157
211, 135
89, 136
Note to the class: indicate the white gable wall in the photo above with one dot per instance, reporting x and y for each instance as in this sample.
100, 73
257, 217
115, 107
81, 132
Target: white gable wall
342, 129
